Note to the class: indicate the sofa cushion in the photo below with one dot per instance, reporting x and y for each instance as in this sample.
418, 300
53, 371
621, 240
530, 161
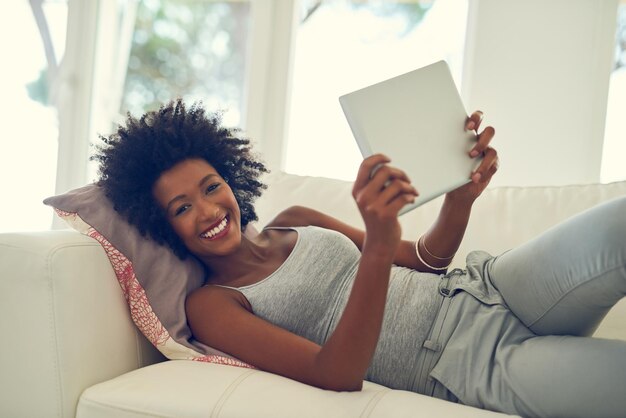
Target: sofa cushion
154, 281
184, 389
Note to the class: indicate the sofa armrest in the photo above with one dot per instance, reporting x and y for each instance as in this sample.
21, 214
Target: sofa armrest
65, 323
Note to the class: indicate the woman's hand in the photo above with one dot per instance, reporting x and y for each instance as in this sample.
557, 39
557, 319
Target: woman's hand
488, 166
380, 191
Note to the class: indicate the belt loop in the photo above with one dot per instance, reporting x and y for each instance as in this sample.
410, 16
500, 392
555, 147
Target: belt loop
448, 281
432, 345
443, 287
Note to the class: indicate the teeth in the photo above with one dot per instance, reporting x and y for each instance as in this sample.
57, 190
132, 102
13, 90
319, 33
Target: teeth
216, 230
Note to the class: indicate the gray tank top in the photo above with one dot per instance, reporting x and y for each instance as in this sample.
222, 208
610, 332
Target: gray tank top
308, 292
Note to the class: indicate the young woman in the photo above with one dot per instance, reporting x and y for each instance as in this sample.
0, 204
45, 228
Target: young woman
321, 302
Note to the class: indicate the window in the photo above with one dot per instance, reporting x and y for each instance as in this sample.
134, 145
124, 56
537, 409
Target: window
193, 49
29, 119
614, 149
343, 46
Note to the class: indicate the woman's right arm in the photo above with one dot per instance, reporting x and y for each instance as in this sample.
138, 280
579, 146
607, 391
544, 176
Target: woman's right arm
223, 318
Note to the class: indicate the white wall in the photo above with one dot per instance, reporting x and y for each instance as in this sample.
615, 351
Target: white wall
540, 71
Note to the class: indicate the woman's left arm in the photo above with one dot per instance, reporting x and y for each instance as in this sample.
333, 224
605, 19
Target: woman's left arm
439, 244
444, 237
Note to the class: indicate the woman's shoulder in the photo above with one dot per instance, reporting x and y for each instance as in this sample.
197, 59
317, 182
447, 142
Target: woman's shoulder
300, 216
214, 297
296, 217
293, 216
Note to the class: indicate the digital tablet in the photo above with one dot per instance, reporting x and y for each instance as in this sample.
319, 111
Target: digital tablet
418, 120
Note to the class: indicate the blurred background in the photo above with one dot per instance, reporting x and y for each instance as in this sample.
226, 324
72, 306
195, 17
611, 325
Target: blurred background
550, 76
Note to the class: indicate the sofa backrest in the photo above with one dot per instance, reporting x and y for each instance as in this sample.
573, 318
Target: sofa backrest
501, 218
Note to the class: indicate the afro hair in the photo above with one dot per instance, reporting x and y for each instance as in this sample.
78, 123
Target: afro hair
133, 158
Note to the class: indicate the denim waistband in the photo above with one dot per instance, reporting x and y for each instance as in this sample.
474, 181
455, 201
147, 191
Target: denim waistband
437, 337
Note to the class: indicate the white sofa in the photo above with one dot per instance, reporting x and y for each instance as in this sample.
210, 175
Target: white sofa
70, 348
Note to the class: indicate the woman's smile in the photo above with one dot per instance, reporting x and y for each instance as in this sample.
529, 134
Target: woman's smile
218, 230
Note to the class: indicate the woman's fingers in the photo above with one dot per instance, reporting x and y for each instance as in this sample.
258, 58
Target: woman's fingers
488, 166
483, 141
399, 202
365, 171
490, 162
484, 138
386, 203
384, 174
395, 189
381, 188
474, 121
375, 174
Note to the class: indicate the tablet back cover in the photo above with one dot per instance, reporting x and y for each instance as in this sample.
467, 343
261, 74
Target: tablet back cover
418, 120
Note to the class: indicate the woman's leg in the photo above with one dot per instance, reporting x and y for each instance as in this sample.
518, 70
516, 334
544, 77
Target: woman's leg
560, 376
568, 278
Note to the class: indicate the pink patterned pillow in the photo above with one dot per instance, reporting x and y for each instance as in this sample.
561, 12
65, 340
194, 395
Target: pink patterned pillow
154, 281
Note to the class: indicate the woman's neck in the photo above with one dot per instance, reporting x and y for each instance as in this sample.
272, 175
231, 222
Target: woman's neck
251, 256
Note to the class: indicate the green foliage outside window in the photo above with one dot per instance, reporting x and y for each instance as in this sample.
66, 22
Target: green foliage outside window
187, 48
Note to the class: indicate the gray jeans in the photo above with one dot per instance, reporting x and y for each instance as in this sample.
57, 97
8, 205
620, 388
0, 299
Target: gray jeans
543, 362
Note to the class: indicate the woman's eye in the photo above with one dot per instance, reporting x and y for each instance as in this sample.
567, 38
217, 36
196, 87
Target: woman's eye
212, 187
181, 209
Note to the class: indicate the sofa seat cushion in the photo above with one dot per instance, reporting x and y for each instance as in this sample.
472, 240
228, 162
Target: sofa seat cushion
190, 389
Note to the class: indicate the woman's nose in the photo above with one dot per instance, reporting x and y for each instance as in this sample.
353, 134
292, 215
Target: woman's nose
208, 210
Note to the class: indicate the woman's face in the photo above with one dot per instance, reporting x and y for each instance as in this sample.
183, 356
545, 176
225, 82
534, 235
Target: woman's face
201, 208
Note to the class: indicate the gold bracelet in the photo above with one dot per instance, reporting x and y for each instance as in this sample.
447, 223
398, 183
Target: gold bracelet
419, 256
431, 254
